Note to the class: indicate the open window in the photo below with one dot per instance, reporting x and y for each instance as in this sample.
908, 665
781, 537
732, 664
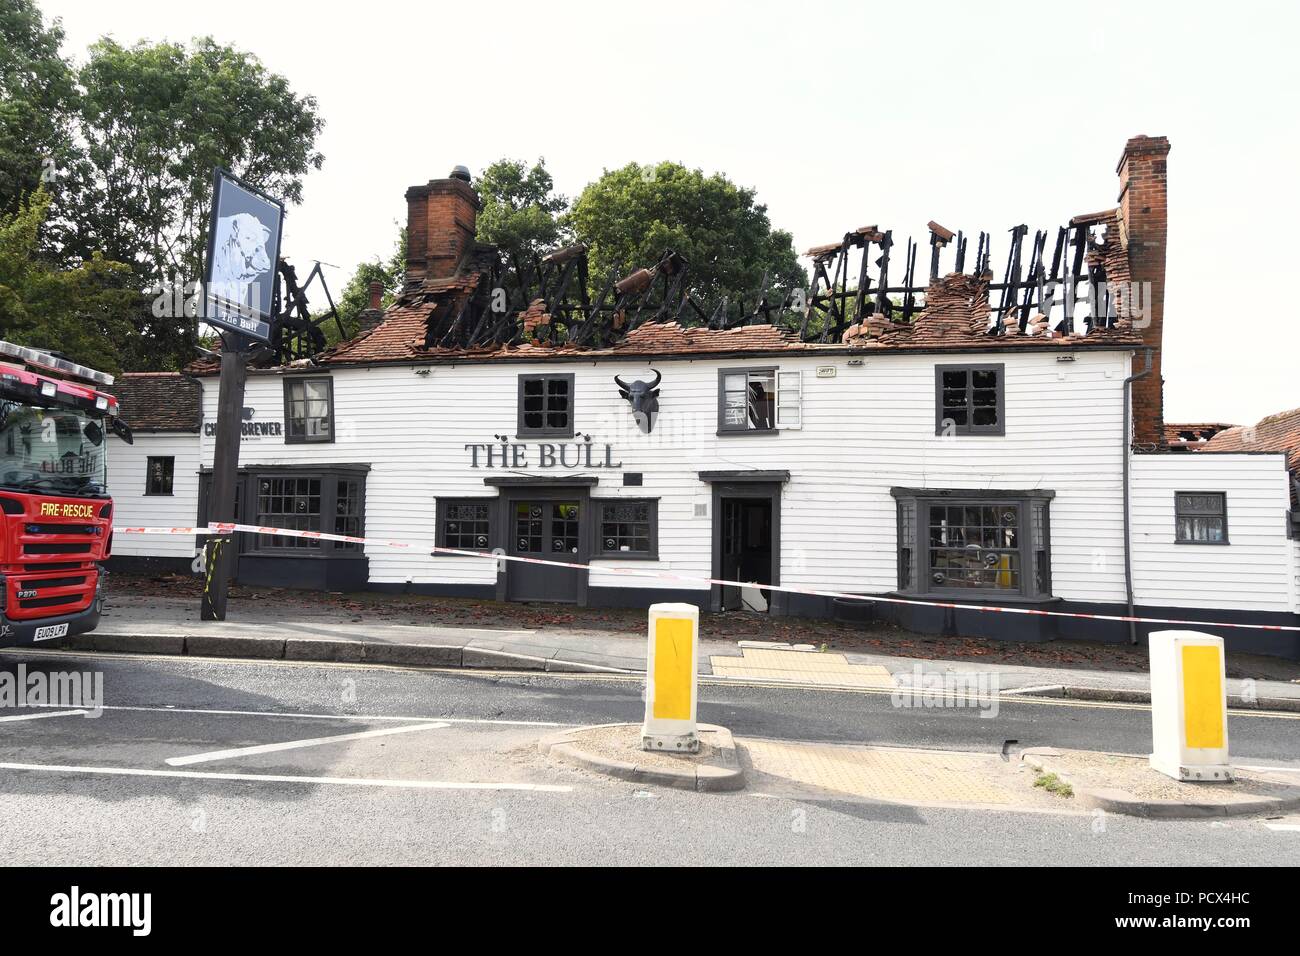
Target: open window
756, 400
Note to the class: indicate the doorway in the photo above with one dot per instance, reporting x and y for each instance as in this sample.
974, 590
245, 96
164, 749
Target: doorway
746, 544
549, 530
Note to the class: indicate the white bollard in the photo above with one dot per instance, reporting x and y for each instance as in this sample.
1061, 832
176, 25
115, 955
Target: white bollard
1189, 706
671, 679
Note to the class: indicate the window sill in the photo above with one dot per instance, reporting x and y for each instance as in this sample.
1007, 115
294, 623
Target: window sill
308, 441
1202, 544
747, 431
621, 556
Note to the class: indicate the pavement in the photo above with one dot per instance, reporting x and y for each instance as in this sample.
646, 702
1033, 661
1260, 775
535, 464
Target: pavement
203, 761
168, 625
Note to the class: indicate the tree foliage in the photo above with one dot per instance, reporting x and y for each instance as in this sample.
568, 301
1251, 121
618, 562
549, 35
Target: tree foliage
126, 146
630, 216
37, 98
156, 118
84, 312
521, 212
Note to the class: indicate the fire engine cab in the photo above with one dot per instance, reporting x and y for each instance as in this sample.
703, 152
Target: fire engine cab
56, 517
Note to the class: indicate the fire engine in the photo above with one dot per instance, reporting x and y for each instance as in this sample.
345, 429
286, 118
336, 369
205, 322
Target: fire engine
56, 525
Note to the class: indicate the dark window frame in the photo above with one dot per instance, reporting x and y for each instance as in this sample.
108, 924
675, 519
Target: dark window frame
304, 439
171, 477
1222, 496
247, 492
329, 489
723, 427
970, 428
493, 504
915, 571
523, 430
598, 539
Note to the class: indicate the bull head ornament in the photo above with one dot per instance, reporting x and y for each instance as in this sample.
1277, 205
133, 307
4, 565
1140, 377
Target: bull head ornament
644, 399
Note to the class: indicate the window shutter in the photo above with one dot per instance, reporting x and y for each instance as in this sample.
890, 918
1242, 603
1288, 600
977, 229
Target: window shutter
789, 399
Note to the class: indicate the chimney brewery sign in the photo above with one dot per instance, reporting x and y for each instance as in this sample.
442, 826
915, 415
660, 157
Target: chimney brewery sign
248, 427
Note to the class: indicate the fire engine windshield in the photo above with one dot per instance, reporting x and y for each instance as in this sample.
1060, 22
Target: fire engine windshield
52, 450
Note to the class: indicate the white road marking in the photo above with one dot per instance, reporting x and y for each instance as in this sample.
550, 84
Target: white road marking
1272, 769
173, 709
1289, 827
287, 778
296, 744
60, 713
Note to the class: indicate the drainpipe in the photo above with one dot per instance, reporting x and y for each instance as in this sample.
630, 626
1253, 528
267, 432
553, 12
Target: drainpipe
1127, 453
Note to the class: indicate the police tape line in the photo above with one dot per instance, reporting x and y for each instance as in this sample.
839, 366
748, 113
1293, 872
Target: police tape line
225, 528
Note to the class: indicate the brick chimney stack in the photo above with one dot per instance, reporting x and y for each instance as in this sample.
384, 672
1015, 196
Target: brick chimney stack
1144, 214
441, 220
370, 317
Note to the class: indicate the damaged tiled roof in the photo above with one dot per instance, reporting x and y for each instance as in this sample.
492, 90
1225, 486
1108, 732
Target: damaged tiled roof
159, 401
1192, 435
957, 316
1280, 432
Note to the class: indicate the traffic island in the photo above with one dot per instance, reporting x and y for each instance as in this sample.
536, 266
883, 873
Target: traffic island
615, 750
1124, 783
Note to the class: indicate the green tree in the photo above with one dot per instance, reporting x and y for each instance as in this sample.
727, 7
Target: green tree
521, 212
155, 119
85, 312
630, 216
37, 97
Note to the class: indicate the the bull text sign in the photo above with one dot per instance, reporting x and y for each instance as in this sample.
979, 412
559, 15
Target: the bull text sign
574, 454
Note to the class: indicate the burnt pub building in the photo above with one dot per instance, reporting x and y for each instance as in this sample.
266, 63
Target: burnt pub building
964, 432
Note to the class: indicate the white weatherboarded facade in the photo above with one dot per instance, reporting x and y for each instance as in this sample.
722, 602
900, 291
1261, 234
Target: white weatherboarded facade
864, 431
865, 428
132, 504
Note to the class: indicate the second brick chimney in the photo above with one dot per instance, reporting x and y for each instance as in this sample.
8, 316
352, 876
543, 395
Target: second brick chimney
1143, 213
441, 220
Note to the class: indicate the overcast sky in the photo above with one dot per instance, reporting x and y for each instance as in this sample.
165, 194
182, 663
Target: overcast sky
978, 115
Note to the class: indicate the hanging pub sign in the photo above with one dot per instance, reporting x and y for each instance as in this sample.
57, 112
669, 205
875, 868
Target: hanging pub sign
243, 249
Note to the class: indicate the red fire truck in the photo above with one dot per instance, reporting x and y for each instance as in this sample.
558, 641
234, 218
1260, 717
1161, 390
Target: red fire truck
56, 524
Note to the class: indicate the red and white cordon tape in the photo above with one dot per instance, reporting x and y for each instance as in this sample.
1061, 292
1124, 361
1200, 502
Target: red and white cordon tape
224, 528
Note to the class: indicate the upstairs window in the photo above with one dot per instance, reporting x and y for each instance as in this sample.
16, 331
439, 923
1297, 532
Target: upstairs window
308, 410
158, 475
758, 400
1201, 517
545, 406
969, 400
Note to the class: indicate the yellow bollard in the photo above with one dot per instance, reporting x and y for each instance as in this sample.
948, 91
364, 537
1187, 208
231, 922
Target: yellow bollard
671, 679
1189, 706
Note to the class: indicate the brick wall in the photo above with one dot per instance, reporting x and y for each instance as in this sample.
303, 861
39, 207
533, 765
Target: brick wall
1143, 213
441, 218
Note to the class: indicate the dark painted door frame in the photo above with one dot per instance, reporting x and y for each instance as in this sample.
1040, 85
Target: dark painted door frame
761, 487
512, 494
